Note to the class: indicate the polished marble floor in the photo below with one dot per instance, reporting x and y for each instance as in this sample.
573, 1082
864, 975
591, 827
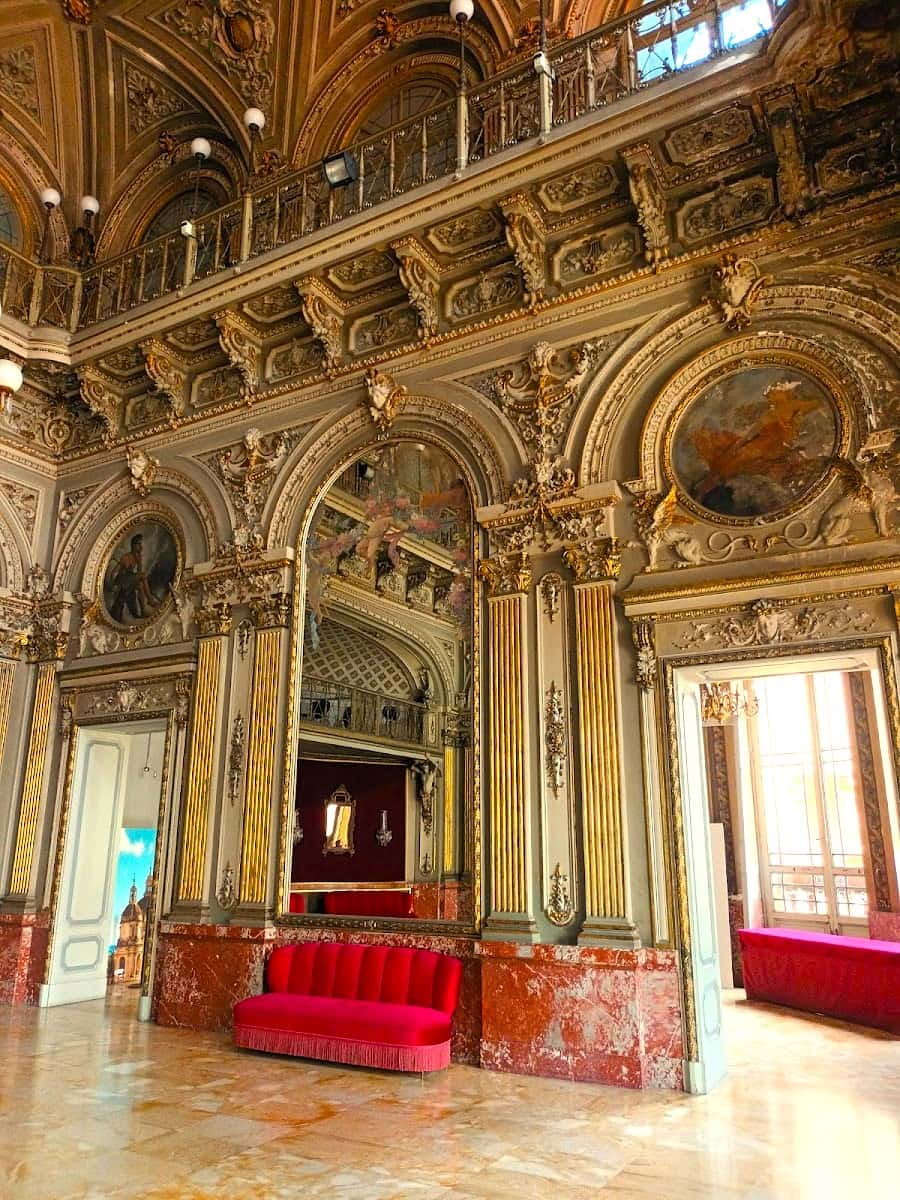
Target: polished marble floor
93, 1104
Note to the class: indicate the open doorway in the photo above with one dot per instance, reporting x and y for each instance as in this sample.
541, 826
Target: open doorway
789, 801
104, 915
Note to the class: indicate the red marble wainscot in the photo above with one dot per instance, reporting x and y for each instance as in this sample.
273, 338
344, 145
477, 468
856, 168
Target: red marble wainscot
24, 938
203, 970
582, 1013
884, 926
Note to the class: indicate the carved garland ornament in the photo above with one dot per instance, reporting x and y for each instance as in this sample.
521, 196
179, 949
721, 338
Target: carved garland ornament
769, 623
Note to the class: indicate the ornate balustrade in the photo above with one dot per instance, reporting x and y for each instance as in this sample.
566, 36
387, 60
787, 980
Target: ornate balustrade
628, 55
353, 710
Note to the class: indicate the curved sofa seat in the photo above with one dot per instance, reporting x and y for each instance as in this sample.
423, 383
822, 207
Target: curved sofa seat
377, 1006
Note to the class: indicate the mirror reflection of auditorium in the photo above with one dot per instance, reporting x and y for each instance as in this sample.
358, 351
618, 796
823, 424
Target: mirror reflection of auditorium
380, 827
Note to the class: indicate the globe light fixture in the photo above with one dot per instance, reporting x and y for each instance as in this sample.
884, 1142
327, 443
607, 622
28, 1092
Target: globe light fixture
254, 123
201, 150
50, 198
10, 382
462, 10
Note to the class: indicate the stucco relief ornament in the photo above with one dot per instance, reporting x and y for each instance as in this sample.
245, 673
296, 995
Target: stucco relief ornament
226, 895
870, 485
93, 634
735, 287
642, 634
426, 772
551, 594
184, 610
661, 526
387, 27
555, 739
78, 10
236, 757
768, 623
650, 204
383, 398
142, 468
560, 910
248, 470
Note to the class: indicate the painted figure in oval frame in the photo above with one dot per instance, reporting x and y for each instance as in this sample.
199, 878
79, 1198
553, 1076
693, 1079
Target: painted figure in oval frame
141, 571
756, 442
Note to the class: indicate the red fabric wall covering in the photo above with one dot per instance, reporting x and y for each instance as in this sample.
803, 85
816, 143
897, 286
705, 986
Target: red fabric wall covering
373, 788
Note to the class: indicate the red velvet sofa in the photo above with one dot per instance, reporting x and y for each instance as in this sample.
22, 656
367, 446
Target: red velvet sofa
375, 1006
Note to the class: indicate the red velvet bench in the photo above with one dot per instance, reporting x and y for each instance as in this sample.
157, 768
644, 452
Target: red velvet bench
374, 1006
855, 979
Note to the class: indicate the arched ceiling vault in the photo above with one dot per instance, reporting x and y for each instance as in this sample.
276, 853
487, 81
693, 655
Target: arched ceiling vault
88, 86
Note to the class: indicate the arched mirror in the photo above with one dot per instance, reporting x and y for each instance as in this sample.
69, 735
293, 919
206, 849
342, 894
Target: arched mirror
382, 824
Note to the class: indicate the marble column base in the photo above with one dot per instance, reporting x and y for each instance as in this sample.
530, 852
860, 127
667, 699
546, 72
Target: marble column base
510, 927
615, 933
24, 938
594, 1015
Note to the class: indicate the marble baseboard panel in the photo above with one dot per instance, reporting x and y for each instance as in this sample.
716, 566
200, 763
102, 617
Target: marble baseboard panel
884, 926
23, 949
582, 1013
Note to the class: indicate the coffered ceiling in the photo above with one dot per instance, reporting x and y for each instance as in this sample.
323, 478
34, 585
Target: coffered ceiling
88, 86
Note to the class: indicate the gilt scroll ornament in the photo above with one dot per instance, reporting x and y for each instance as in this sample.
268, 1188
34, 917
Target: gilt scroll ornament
383, 399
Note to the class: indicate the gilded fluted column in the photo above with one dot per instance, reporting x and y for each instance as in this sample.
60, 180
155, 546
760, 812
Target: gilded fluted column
508, 577
607, 921
46, 646
270, 616
214, 624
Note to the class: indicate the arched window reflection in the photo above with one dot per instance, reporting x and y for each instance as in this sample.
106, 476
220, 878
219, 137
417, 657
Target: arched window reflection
408, 101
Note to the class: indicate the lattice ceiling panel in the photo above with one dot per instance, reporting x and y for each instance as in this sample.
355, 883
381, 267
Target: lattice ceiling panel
346, 656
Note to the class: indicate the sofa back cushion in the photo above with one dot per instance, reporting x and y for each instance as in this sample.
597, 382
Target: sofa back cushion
369, 904
394, 974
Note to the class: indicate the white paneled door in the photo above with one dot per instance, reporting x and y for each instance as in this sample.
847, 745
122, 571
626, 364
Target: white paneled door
709, 1069
84, 909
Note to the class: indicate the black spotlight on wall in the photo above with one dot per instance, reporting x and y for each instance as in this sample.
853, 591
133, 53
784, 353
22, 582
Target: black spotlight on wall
340, 169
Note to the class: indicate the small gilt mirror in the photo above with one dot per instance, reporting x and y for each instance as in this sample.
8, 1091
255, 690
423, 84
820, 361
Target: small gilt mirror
339, 823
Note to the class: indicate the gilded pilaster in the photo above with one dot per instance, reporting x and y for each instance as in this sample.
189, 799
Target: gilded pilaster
7, 674
32, 789
214, 624
606, 920
508, 577
270, 616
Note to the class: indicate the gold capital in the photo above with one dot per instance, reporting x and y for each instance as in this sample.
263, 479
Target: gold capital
507, 573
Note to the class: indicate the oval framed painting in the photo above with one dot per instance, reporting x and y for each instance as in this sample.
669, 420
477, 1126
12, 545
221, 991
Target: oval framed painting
754, 441
140, 572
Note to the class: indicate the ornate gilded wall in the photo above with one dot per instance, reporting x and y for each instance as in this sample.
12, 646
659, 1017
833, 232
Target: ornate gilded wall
591, 330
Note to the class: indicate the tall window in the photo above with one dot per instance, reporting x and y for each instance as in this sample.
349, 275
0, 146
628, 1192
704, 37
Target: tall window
178, 209
809, 804
10, 225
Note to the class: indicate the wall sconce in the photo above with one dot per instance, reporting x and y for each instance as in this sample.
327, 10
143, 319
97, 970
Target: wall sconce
10, 382
81, 243
723, 703
383, 835
340, 169
50, 198
298, 829
254, 123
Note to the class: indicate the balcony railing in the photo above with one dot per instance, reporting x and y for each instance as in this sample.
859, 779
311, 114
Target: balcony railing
353, 710
593, 72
